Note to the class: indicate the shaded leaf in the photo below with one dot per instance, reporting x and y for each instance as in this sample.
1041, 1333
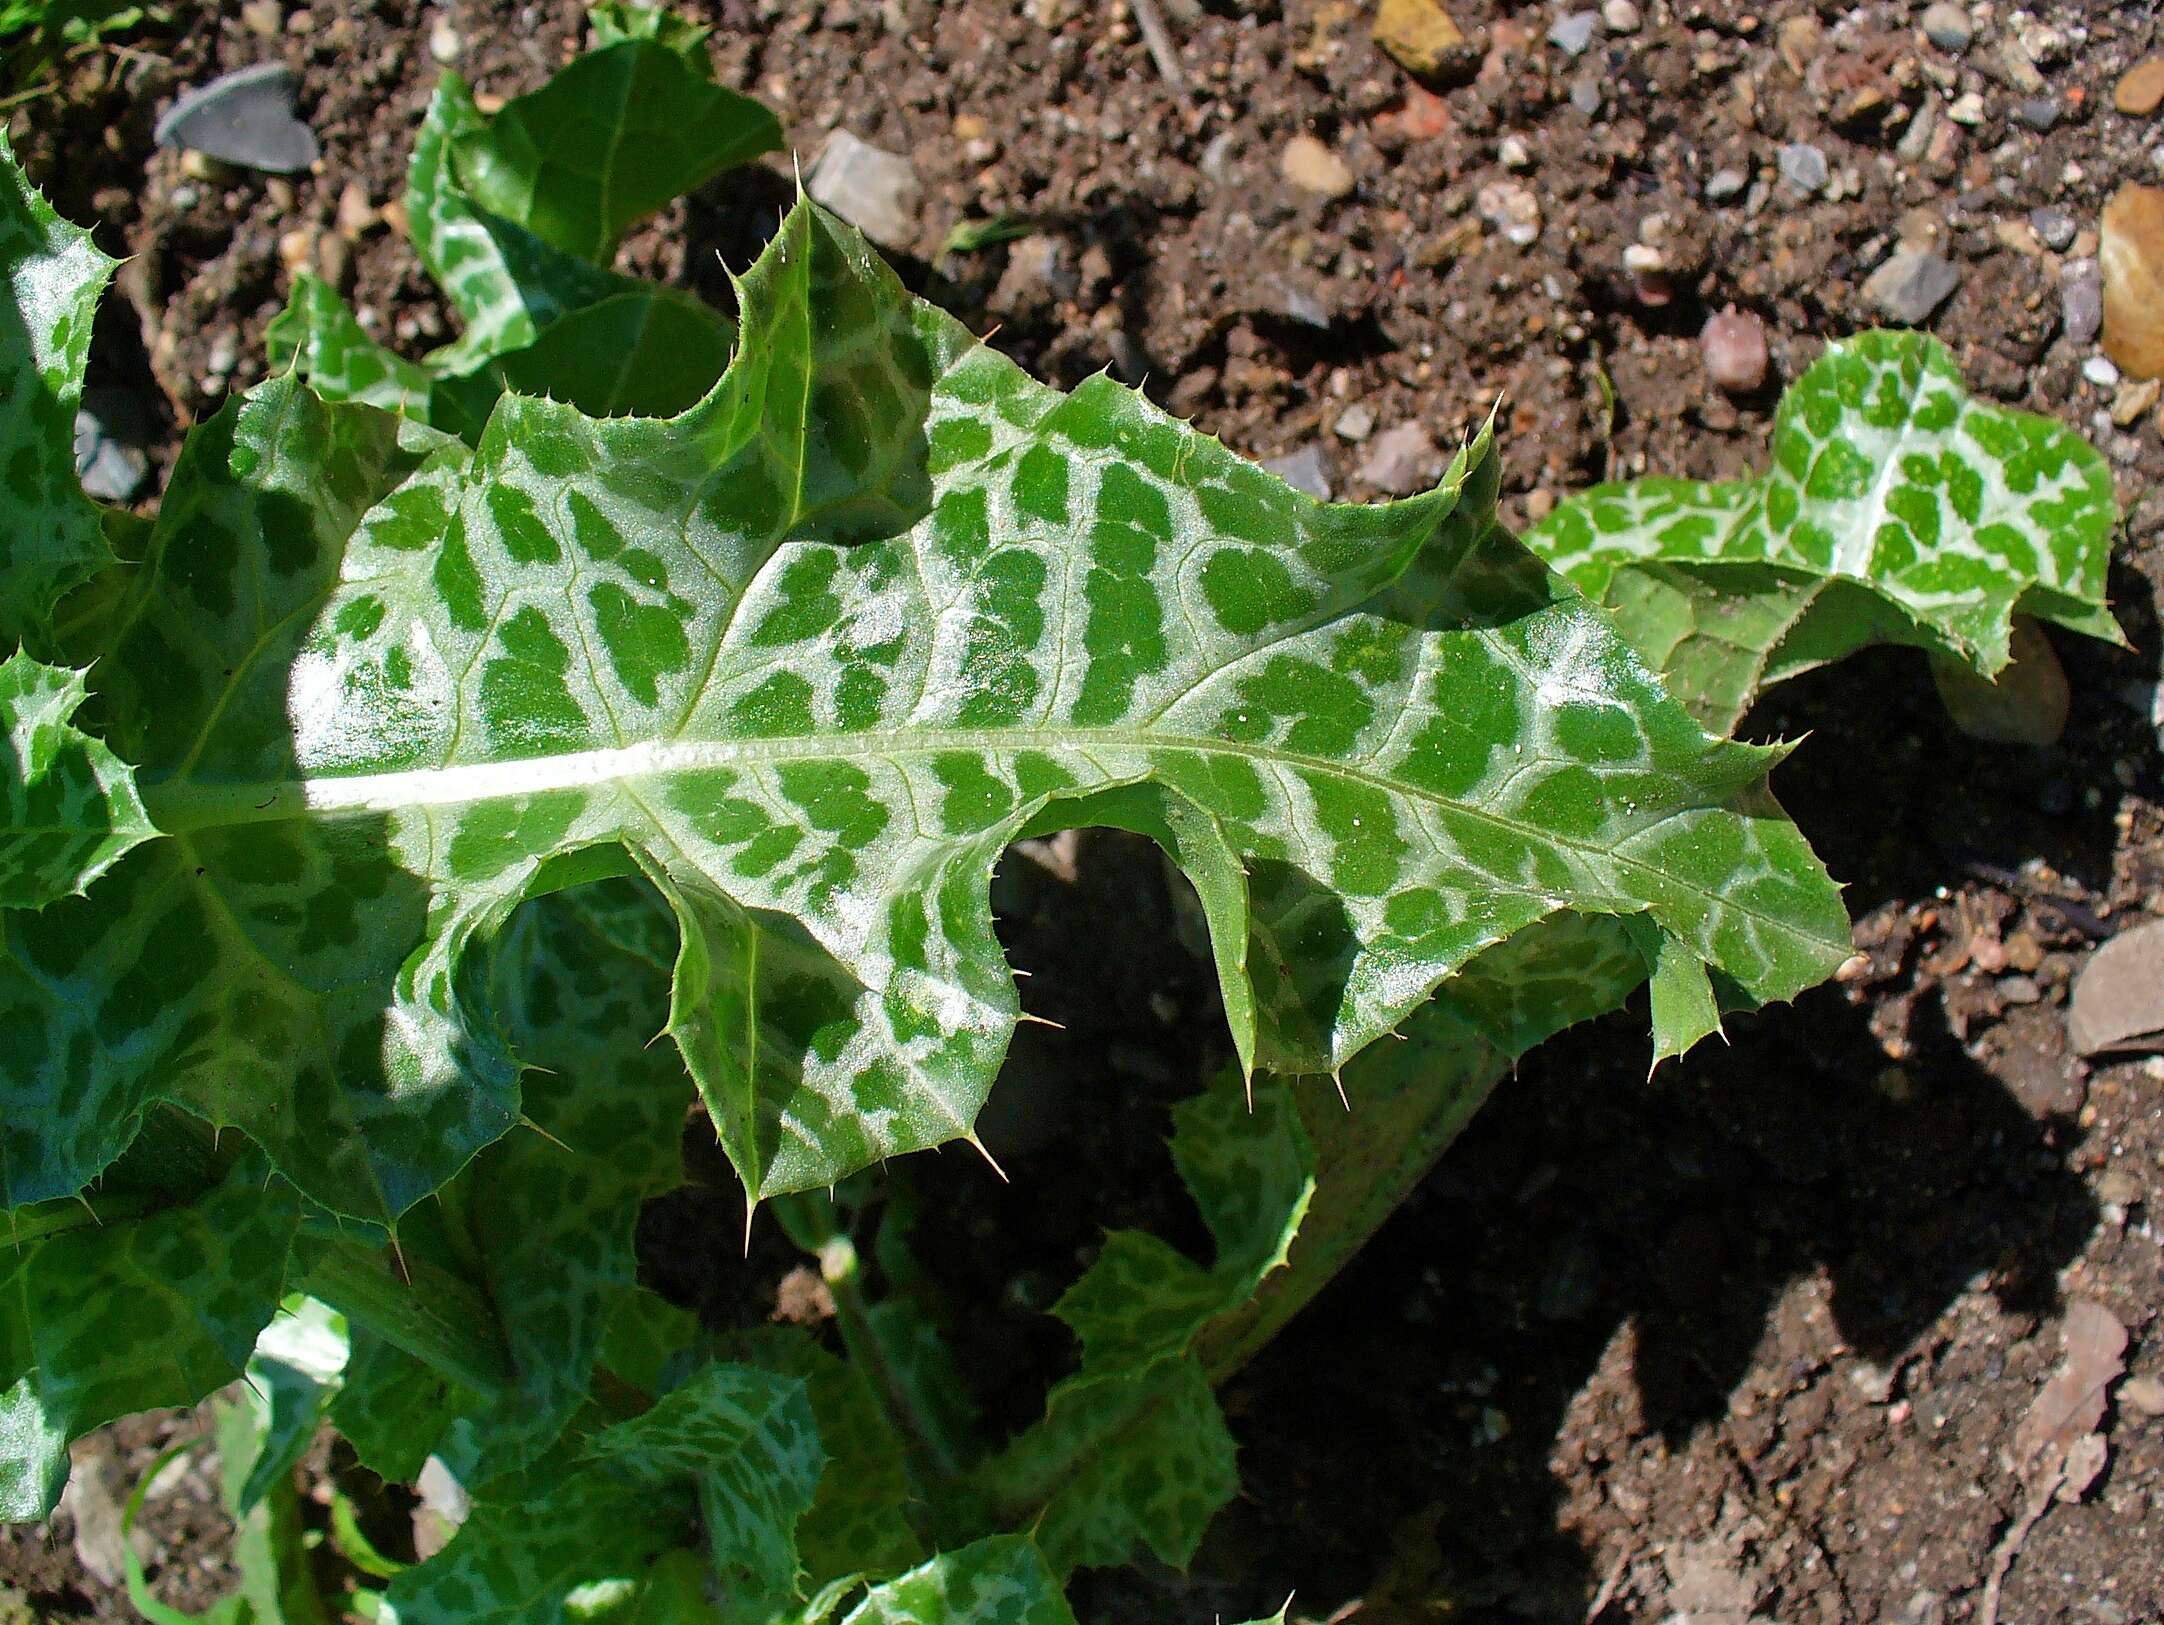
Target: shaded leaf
50, 539
1000, 1581
68, 807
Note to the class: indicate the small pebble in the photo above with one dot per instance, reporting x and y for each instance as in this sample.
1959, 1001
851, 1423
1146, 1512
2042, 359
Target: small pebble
1304, 470
1803, 166
1356, 422
1621, 17
2133, 401
355, 213
2054, 227
184, 197
1585, 96
444, 43
1967, 109
1539, 504
1734, 345
2132, 256
2100, 372
876, 191
296, 248
1513, 153
2081, 300
1402, 460
263, 18
1725, 184
1573, 31
1947, 26
1313, 167
2143, 1394
1911, 285
2039, 113
1512, 210
2141, 91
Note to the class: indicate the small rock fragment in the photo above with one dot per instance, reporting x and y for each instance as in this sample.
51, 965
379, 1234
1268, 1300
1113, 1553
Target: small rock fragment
2134, 399
1621, 17
443, 42
2055, 228
2038, 113
1356, 422
1968, 108
245, 118
1724, 184
2132, 256
1512, 153
1573, 31
2140, 91
263, 18
1304, 470
1803, 166
2081, 300
2118, 1000
1734, 345
355, 213
2026, 704
1512, 210
1585, 96
1911, 285
1420, 36
2100, 372
1403, 460
1947, 26
111, 433
2143, 1394
874, 190
1310, 165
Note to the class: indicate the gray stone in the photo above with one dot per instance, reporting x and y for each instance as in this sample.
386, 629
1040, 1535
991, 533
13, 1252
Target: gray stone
2081, 300
1803, 166
1573, 31
2039, 113
1402, 461
1947, 26
243, 118
2118, 1000
111, 432
1356, 422
1585, 96
2055, 228
1725, 184
1911, 285
1304, 470
874, 190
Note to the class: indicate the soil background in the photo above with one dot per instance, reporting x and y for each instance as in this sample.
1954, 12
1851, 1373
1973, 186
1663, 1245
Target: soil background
1748, 1340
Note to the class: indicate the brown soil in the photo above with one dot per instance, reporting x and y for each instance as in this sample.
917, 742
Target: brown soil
1752, 1338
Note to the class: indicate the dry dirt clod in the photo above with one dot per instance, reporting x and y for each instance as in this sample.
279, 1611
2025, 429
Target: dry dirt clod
2144, 1395
2132, 254
1313, 167
2140, 90
2118, 1001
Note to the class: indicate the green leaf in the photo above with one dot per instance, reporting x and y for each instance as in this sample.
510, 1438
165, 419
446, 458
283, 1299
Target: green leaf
1133, 1450
609, 140
1897, 509
50, 539
506, 282
318, 337
68, 807
262, 978
813, 652
734, 1451
127, 1315
1000, 1581
297, 1368
616, 20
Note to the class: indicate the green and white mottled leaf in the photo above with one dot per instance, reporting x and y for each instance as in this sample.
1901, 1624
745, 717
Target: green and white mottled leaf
733, 1452
813, 652
1133, 1450
127, 1315
612, 137
50, 539
317, 336
1897, 508
615, 20
999, 1581
298, 1366
68, 807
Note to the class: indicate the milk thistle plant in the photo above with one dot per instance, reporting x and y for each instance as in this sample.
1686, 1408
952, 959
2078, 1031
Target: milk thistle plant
627, 668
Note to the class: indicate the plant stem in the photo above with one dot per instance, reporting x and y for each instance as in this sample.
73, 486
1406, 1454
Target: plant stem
432, 1315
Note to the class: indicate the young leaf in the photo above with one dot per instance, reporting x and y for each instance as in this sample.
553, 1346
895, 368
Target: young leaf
68, 807
610, 139
128, 1315
734, 1450
1897, 509
49, 535
318, 337
999, 1581
1133, 1449
298, 1365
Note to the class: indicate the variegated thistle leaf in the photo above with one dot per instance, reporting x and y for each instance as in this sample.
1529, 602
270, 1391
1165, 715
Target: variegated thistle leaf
729, 1460
1133, 1450
1897, 509
808, 657
999, 1581
68, 807
50, 539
